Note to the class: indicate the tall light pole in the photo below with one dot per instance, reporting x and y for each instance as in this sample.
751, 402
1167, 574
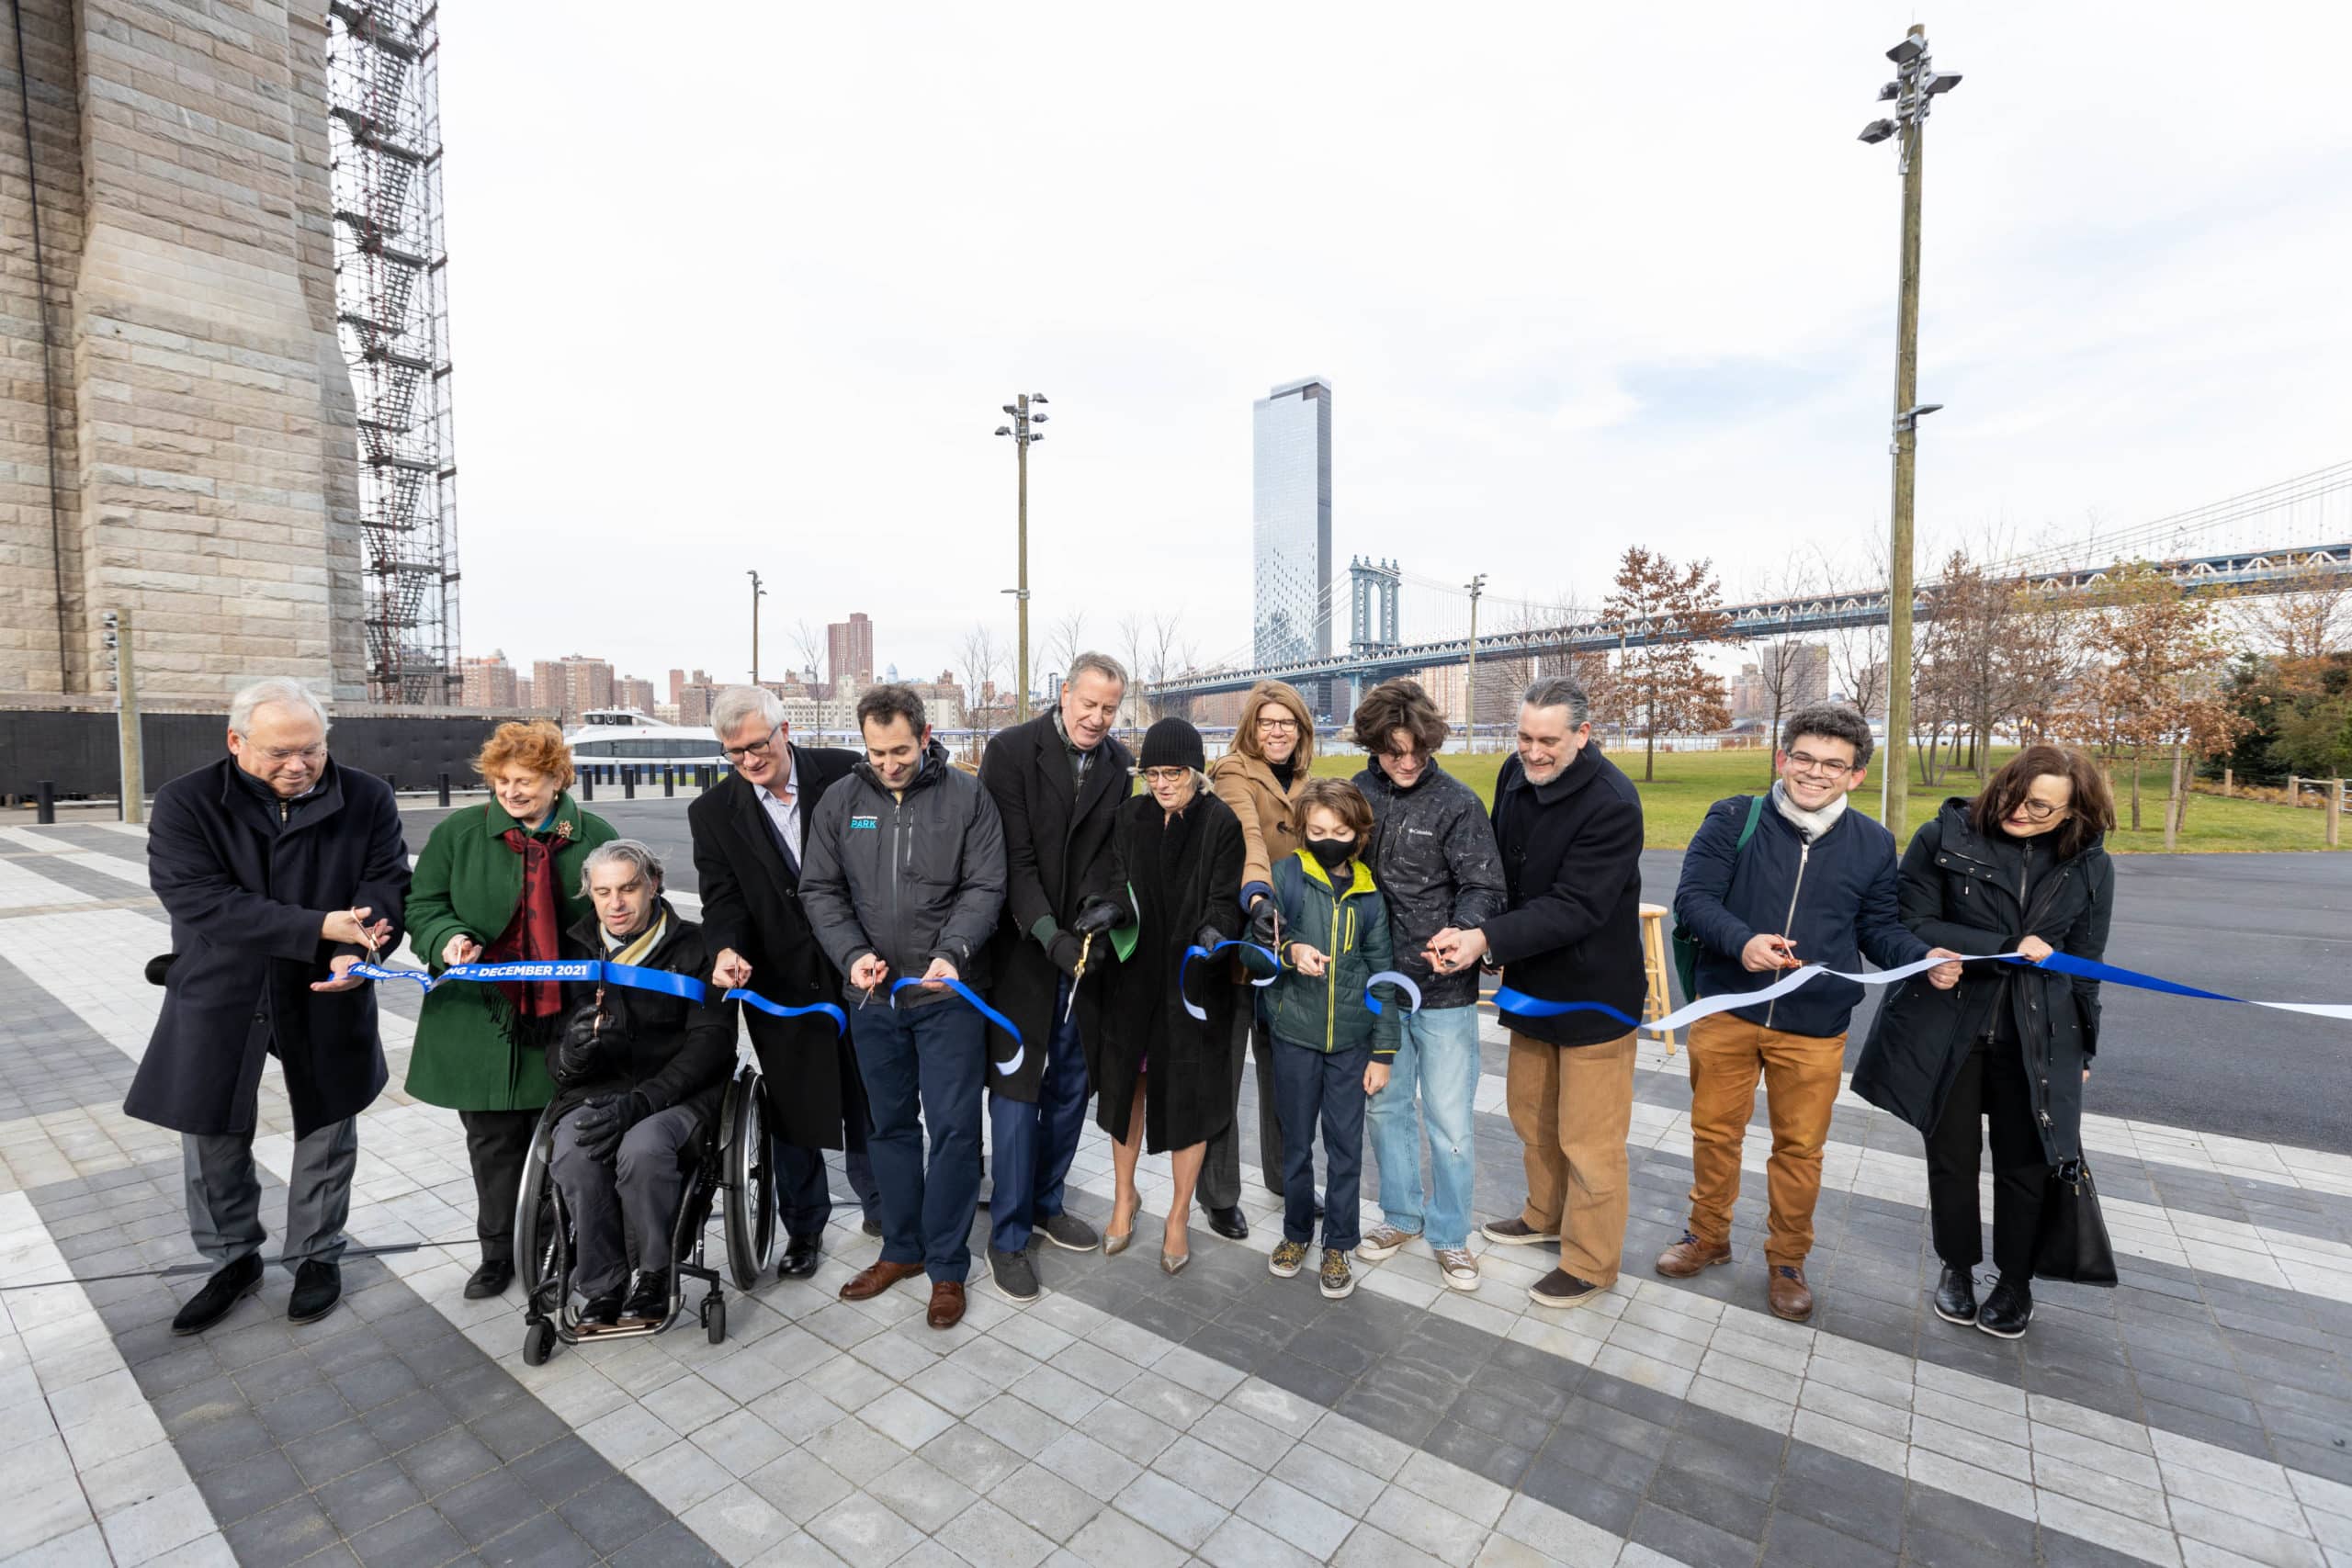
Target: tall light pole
758, 593
1477, 586
1022, 433
1913, 92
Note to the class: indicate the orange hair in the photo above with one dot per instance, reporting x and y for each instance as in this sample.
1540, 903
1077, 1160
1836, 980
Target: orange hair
535, 747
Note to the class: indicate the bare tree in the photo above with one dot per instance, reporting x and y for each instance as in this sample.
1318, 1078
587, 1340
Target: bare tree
1065, 640
2310, 618
811, 643
981, 657
1156, 650
2159, 688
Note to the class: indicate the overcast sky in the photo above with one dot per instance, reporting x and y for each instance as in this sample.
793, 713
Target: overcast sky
744, 286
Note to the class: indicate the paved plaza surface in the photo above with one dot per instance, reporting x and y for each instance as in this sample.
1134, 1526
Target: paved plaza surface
2200, 1413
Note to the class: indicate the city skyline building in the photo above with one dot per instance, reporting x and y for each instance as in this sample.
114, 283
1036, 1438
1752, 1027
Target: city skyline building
849, 651
1291, 522
487, 682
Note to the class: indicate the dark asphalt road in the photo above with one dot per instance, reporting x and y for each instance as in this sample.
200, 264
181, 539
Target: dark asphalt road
2274, 926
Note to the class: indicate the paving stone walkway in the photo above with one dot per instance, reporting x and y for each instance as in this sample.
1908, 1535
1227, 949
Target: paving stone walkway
2200, 1413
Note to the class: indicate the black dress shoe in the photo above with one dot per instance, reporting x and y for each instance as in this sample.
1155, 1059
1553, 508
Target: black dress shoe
227, 1286
1228, 1223
2007, 1310
800, 1256
649, 1301
1956, 1297
602, 1309
490, 1280
317, 1287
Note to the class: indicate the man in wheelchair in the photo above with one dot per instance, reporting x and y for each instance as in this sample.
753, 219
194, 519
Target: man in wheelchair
638, 1075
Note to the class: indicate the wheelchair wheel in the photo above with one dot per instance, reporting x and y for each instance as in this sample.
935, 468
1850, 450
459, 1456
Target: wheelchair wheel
751, 1215
714, 1317
537, 1224
538, 1343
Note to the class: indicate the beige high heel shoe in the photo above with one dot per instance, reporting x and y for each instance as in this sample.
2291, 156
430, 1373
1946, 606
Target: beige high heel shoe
1116, 1242
1173, 1263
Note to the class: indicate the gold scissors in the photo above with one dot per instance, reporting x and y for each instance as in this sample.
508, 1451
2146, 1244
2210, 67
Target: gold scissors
1077, 973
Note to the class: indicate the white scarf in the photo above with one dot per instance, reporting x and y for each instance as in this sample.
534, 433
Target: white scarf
1812, 824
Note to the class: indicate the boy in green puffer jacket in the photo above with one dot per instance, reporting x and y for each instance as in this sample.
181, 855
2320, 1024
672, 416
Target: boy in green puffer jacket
1331, 1050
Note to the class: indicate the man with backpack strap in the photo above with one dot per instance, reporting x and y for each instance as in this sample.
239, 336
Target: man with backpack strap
1769, 884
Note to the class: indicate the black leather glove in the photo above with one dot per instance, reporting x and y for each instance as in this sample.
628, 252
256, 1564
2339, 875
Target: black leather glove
599, 1124
1209, 937
1096, 915
1261, 922
587, 1035
1064, 951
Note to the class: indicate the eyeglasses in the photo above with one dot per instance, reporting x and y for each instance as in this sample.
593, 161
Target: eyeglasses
1799, 762
1166, 775
2038, 810
1279, 726
288, 753
757, 749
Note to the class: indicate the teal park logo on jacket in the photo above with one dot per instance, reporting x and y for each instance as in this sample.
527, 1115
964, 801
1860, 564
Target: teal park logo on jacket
871, 824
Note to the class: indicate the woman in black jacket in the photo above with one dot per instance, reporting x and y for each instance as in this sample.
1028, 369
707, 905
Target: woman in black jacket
2020, 869
1162, 1076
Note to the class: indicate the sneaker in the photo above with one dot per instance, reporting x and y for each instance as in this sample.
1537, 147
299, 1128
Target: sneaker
1690, 1255
1515, 1231
1016, 1276
1956, 1297
1562, 1288
649, 1301
1067, 1231
1457, 1269
1284, 1263
2007, 1310
1383, 1241
1337, 1282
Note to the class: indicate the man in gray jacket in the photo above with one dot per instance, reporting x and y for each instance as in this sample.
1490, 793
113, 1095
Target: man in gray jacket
904, 880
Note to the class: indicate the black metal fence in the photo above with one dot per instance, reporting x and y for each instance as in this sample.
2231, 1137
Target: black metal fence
79, 751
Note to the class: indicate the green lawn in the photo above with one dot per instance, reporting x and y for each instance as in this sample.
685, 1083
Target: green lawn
1688, 782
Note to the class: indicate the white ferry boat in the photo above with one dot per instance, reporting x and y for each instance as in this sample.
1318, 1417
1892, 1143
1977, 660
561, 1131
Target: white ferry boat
625, 737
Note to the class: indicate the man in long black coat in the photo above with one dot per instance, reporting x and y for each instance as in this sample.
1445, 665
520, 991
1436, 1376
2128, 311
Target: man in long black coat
279, 870
748, 835
1057, 782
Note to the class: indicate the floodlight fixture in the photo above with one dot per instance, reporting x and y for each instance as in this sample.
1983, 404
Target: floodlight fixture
1909, 49
1942, 81
1889, 91
1878, 131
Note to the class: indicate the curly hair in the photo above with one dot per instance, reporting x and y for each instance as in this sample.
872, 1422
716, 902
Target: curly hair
537, 747
1399, 705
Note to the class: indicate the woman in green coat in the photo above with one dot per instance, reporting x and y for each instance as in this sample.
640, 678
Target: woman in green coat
498, 882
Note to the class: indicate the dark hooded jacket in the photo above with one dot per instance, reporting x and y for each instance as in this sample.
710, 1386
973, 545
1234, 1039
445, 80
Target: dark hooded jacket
909, 879
1433, 858
248, 881
1973, 894
671, 1049
1057, 853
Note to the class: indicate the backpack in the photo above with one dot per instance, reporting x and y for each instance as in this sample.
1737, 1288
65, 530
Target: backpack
1686, 946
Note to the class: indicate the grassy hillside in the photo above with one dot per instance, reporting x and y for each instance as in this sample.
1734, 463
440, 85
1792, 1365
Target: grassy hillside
1688, 782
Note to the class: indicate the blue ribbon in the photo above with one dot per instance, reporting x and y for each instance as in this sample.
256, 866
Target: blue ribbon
986, 1012
1507, 1000
597, 971
1392, 977
2091, 969
1184, 966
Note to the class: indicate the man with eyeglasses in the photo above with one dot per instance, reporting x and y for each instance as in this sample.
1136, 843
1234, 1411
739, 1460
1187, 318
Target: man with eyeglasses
280, 871
1770, 884
750, 835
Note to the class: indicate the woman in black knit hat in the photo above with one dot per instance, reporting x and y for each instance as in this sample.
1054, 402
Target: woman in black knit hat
1161, 1074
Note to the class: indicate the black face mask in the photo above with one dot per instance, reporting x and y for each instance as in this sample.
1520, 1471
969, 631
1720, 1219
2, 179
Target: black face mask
1331, 853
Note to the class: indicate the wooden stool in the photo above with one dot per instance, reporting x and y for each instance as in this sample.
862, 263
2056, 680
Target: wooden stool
1660, 999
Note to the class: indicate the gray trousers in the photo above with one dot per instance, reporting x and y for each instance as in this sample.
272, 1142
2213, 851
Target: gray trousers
224, 1194
1221, 1165
626, 1207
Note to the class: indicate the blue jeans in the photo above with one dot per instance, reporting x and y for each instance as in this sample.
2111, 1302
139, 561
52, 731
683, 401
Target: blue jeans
1437, 1053
1315, 1086
922, 1067
1031, 1145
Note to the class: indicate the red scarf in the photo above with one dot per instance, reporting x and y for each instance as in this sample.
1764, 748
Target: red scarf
532, 936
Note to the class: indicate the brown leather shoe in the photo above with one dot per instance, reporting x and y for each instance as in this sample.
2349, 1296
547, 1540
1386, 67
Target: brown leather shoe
1690, 1255
877, 1278
1790, 1298
946, 1303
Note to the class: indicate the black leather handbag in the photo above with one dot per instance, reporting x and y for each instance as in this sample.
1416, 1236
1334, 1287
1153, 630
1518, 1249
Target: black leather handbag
2073, 1245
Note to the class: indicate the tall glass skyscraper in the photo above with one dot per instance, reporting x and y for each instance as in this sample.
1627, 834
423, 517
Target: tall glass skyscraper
1291, 519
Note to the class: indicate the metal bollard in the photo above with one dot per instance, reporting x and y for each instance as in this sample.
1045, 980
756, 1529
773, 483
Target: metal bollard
628, 782
45, 796
392, 783
669, 781
587, 784
445, 789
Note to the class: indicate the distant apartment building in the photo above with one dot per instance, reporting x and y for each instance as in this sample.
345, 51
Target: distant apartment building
849, 651
487, 682
573, 685
628, 691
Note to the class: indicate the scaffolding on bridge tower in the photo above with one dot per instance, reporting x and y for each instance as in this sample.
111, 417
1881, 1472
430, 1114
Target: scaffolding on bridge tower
392, 315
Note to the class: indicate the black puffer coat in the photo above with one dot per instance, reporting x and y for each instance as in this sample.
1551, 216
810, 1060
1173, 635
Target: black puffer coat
673, 1051
1433, 858
1960, 891
1185, 875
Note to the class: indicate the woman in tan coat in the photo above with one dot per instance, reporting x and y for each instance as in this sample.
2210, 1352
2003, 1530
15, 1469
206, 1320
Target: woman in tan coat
1260, 778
